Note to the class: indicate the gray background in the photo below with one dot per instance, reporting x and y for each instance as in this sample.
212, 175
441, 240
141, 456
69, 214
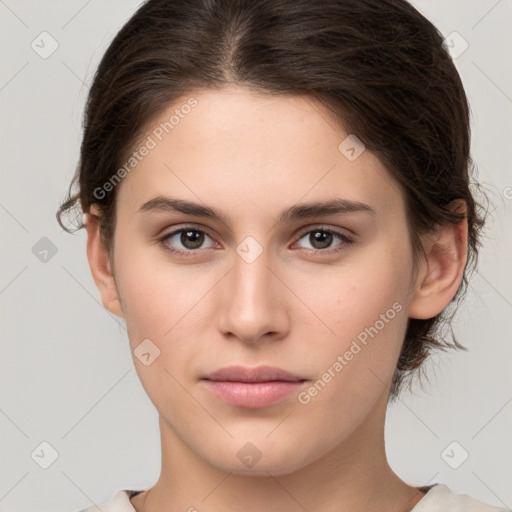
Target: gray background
67, 377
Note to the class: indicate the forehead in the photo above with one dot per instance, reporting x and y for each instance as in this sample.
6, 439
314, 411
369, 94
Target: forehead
264, 149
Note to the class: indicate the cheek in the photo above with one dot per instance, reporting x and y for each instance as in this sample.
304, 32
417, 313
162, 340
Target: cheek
354, 296
158, 297
162, 304
355, 367
364, 304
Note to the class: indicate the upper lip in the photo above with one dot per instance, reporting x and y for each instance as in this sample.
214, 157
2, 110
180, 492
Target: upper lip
259, 374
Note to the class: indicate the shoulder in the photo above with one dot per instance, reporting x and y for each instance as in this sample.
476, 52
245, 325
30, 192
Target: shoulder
119, 502
440, 498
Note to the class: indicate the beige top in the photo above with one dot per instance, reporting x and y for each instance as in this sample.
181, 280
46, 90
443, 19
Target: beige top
439, 498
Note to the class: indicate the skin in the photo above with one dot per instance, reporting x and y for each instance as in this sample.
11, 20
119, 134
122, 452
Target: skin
252, 156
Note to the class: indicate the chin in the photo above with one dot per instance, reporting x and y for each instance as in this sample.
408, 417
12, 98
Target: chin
249, 460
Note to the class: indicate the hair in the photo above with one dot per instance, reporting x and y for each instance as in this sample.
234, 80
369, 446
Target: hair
379, 66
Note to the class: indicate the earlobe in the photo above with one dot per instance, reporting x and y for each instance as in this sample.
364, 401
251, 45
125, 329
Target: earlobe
99, 263
441, 271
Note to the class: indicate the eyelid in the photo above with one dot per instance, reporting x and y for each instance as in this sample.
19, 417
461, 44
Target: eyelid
322, 227
184, 227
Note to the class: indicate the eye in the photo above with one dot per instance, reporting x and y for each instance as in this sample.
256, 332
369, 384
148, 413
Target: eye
190, 238
321, 240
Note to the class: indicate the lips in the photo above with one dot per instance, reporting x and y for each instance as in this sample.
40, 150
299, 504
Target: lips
252, 388
251, 375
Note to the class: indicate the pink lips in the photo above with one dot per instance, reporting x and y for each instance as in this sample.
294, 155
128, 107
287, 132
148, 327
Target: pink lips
252, 388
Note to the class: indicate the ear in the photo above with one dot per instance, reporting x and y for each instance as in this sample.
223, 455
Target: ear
99, 262
440, 275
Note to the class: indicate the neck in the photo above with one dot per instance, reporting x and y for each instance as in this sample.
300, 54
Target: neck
354, 476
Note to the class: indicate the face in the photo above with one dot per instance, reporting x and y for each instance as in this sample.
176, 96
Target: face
262, 280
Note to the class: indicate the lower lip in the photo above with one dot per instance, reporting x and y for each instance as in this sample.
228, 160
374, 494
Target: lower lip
252, 395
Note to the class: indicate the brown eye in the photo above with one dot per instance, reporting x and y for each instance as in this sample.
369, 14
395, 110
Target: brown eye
321, 240
193, 237
184, 241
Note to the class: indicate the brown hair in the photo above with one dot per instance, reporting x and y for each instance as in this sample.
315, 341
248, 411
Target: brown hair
378, 65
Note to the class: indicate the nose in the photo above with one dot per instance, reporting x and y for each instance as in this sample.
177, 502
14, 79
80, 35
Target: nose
253, 301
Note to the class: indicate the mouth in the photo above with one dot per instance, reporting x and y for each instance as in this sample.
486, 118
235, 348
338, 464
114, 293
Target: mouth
252, 388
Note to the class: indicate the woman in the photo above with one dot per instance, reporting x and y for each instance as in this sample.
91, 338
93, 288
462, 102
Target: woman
276, 196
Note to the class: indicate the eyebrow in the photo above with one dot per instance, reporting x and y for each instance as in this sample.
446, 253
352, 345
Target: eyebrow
296, 212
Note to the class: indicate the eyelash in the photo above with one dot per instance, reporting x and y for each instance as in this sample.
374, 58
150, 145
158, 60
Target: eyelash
345, 239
